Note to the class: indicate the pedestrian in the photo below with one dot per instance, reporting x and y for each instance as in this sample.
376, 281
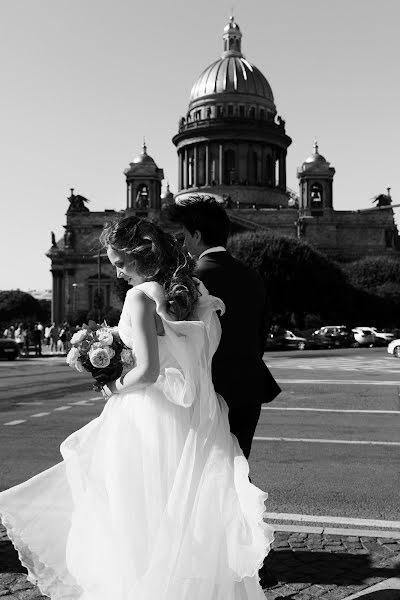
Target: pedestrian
54, 334
19, 336
37, 340
238, 371
47, 335
152, 499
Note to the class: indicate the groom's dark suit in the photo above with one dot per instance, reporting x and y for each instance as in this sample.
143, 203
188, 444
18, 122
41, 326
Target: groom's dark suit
238, 371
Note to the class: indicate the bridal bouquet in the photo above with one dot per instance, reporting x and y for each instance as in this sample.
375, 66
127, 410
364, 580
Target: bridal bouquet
99, 350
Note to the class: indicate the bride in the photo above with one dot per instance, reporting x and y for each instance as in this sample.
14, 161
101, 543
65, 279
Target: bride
152, 499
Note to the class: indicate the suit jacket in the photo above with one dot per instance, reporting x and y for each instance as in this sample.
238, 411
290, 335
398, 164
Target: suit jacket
238, 371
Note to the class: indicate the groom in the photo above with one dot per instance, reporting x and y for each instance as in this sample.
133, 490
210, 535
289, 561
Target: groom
238, 371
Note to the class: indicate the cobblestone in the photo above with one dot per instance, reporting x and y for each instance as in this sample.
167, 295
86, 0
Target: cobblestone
300, 566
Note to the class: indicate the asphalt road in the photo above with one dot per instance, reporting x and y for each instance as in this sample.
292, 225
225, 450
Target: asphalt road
301, 454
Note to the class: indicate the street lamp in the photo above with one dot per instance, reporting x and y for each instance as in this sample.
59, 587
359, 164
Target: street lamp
74, 287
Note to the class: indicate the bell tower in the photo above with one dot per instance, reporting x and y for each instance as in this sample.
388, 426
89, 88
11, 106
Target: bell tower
143, 184
316, 181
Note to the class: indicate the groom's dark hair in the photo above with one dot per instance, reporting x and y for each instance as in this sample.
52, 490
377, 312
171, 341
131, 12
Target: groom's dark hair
204, 214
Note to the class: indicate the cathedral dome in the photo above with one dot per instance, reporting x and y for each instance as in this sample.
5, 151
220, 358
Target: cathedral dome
232, 74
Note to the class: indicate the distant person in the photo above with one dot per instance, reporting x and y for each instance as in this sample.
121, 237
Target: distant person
37, 340
19, 336
54, 333
238, 370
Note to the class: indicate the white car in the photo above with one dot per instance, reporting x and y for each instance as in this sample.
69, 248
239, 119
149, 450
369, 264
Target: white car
383, 335
364, 336
394, 348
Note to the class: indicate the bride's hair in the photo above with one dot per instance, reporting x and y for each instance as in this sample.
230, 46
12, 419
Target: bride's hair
156, 256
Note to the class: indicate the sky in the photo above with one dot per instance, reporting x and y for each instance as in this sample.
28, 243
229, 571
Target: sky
83, 81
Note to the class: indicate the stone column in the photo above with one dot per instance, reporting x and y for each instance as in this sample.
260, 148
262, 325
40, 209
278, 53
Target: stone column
207, 165
220, 165
180, 171
282, 170
195, 167
186, 172
127, 194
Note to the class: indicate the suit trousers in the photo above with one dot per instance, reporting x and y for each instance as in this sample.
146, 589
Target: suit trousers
243, 422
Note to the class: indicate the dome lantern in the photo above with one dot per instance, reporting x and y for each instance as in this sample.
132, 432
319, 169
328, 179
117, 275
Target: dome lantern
232, 39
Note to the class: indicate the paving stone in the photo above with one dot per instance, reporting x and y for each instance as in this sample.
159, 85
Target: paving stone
358, 551
334, 548
386, 540
21, 584
394, 547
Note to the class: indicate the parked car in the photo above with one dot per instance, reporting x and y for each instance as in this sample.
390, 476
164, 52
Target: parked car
338, 336
9, 349
382, 338
394, 348
364, 336
285, 339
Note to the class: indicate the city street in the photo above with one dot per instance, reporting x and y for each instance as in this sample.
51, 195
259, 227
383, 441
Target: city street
328, 446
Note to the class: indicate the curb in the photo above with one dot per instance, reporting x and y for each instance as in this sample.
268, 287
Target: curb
336, 531
389, 589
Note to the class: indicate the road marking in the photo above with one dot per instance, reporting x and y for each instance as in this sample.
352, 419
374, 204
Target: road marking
321, 441
63, 408
15, 422
335, 410
326, 519
354, 363
81, 403
40, 414
340, 381
29, 403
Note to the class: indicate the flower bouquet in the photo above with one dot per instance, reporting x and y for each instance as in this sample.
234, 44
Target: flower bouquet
99, 350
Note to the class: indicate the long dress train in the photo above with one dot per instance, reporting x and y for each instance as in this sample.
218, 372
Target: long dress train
152, 499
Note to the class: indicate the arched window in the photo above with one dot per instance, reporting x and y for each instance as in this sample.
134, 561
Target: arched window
252, 112
142, 200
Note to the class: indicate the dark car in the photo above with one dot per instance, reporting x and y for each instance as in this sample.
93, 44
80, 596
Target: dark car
338, 336
8, 349
283, 339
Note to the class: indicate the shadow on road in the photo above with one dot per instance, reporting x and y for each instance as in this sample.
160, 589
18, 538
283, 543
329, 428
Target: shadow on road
323, 568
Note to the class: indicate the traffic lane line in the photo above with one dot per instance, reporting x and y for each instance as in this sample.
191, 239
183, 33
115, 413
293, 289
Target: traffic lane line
318, 424
371, 523
340, 381
333, 410
60, 408
324, 441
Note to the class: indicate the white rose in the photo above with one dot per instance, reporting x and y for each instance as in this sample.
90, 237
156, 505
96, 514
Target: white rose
105, 336
79, 336
72, 357
127, 357
110, 351
79, 366
99, 358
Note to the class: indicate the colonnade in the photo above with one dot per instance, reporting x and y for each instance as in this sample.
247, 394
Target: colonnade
225, 163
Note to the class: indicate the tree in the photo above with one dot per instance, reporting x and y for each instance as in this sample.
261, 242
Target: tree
18, 306
298, 279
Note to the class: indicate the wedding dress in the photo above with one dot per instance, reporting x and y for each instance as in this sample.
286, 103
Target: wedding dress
152, 500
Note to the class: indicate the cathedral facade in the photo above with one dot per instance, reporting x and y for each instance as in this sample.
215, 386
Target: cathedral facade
231, 144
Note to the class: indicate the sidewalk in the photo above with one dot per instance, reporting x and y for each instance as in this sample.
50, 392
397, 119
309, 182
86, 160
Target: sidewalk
305, 564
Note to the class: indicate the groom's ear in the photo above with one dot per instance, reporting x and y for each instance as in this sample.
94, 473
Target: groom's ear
197, 237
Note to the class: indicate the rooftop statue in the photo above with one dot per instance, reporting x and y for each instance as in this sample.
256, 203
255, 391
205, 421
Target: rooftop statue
77, 203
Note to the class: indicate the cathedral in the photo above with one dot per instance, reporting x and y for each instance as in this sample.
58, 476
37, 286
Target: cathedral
231, 144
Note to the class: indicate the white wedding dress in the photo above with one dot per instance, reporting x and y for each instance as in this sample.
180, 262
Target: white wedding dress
152, 499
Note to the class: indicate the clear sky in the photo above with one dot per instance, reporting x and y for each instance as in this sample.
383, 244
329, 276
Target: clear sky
82, 81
